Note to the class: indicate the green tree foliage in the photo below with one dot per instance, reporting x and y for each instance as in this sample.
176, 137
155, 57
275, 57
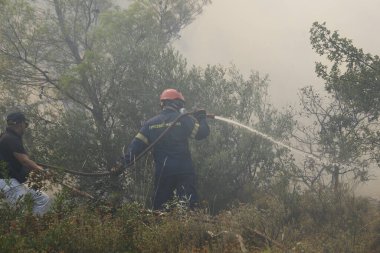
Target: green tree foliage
354, 76
238, 163
345, 130
90, 66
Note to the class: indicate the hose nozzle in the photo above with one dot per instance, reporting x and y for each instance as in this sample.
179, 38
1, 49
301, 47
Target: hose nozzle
202, 113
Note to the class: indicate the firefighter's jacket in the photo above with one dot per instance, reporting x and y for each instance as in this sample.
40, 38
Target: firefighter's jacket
171, 153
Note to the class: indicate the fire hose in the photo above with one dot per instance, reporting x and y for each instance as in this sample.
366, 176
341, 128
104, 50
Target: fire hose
108, 173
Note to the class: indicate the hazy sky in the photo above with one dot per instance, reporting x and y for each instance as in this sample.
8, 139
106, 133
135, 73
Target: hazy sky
272, 37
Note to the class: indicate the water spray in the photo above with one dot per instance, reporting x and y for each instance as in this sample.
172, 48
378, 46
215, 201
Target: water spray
267, 137
322, 160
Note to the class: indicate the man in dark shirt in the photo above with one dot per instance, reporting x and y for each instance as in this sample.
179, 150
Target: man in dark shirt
16, 165
174, 169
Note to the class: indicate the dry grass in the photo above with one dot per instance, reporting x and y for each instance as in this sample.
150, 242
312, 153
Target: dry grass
322, 222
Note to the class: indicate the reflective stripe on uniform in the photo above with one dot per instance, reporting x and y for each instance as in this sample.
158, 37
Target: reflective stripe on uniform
163, 125
142, 138
195, 130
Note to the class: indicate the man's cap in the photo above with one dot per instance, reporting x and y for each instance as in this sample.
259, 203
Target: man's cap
16, 117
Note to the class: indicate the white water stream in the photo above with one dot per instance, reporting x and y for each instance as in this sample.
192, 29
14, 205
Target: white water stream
370, 189
267, 137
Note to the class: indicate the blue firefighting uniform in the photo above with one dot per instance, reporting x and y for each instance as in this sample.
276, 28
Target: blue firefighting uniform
173, 164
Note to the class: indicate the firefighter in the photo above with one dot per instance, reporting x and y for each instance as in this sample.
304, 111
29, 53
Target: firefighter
174, 171
16, 165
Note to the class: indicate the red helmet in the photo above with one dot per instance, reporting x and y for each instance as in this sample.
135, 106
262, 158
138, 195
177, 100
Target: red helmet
171, 94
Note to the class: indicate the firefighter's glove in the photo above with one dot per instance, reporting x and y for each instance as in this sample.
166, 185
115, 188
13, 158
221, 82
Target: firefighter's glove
200, 114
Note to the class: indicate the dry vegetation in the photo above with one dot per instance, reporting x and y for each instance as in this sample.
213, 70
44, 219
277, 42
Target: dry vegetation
309, 222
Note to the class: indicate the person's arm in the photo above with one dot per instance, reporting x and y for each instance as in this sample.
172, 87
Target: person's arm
138, 144
200, 129
203, 131
17, 148
27, 162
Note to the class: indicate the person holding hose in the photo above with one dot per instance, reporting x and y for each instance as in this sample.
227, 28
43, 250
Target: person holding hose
15, 165
174, 170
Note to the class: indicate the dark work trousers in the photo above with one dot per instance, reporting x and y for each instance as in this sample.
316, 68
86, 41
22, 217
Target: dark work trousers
184, 185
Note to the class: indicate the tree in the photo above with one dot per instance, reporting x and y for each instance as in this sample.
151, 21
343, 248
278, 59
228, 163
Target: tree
345, 128
86, 64
354, 76
334, 140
